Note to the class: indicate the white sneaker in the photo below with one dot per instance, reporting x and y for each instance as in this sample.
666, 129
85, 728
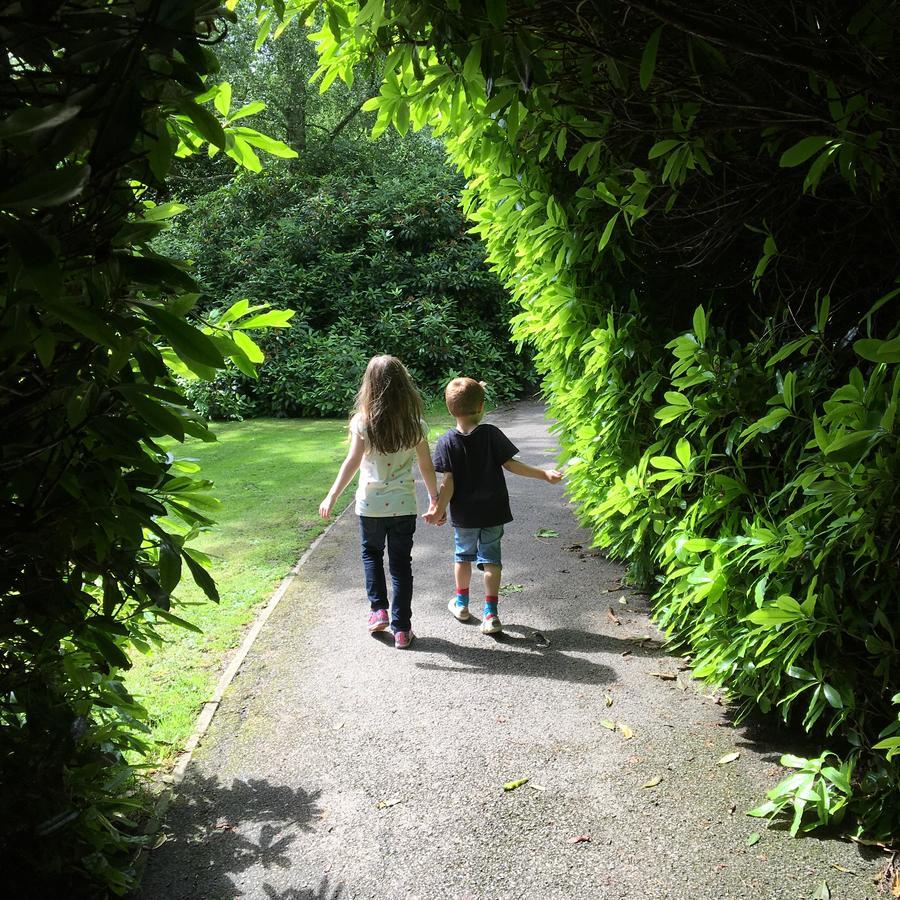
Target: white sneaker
491, 625
459, 610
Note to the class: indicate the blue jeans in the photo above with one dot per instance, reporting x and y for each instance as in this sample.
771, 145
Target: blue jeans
398, 532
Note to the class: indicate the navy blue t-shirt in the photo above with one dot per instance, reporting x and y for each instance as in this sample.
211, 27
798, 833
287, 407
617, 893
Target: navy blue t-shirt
480, 498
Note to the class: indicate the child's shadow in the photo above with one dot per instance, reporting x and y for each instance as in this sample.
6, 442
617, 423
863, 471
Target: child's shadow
524, 652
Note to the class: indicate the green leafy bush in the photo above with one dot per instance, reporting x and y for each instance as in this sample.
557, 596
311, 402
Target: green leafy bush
668, 196
375, 261
97, 518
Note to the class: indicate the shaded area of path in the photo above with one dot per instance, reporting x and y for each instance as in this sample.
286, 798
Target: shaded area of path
338, 767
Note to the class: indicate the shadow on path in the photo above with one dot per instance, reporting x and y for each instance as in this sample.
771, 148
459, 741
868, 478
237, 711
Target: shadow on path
223, 830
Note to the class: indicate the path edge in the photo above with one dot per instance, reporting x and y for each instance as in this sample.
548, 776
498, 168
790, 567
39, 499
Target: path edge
207, 712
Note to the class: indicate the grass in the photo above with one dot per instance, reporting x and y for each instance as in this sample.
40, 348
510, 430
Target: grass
270, 476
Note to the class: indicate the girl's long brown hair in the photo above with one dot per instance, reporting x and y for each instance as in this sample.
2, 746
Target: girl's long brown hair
389, 406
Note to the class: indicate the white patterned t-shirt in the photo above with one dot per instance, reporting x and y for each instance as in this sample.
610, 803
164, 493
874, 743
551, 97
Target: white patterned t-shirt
386, 483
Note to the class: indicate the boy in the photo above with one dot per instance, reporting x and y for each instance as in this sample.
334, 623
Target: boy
472, 457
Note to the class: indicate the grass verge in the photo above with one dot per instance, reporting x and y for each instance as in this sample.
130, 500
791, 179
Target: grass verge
270, 475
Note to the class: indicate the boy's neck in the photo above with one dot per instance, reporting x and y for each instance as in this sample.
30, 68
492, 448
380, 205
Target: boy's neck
466, 424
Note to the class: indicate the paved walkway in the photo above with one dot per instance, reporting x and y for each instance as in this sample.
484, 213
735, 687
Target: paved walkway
338, 767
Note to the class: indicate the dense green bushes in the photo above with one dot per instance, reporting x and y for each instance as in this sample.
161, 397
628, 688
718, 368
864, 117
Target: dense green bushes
696, 211
96, 518
374, 258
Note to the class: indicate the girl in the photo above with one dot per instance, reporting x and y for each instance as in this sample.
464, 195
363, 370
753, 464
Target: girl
386, 434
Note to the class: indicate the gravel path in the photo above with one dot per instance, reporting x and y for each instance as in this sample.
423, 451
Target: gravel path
338, 767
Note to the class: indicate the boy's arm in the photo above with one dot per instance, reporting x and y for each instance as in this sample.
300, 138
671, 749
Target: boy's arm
517, 467
345, 474
437, 515
426, 467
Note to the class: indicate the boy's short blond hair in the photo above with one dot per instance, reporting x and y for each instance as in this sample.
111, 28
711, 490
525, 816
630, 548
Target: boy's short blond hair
464, 396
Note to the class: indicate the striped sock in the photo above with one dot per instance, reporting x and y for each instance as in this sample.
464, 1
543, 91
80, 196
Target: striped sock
490, 606
462, 596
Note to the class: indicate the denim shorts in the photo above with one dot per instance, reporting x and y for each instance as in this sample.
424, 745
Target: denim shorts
478, 545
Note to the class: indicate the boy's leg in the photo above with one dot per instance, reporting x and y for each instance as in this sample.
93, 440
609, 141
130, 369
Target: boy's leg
491, 580
372, 538
466, 543
400, 532
490, 562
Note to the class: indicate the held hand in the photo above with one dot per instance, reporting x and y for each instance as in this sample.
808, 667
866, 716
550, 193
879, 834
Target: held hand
553, 475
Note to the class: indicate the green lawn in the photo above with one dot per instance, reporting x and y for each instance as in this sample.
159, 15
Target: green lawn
270, 476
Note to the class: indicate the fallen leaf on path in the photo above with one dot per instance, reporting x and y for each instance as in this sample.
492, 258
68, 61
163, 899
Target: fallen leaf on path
338, 727
681, 683
512, 785
732, 808
611, 615
573, 547
624, 730
728, 758
579, 839
546, 533
608, 701
537, 787
822, 892
663, 676
843, 869
541, 640
653, 782
623, 600
608, 723
161, 838
387, 804
512, 588
753, 839
895, 886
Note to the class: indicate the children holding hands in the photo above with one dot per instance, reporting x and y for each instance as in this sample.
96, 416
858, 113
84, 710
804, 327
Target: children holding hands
387, 434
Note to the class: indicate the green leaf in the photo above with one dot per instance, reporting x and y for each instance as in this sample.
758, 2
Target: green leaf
222, 101
276, 318
176, 620
248, 109
512, 785
264, 142
205, 123
752, 839
34, 119
472, 65
201, 577
648, 59
607, 231
660, 148
47, 189
700, 325
832, 696
496, 10
188, 342
169, 567
546, 533
801, 151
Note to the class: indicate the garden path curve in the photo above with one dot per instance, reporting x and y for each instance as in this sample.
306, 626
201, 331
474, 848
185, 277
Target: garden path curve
338, 767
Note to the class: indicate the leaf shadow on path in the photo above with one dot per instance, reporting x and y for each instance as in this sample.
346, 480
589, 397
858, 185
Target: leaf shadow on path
521, 651
219, 831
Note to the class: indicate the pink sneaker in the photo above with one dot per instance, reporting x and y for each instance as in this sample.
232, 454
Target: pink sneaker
378, 620
402, 639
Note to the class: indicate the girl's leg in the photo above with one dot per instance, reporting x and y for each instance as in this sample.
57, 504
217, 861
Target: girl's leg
400, 532
372, 536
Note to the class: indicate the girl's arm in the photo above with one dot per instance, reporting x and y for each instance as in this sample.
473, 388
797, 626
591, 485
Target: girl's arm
426, 467
345, 474
517, 467
437, 515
